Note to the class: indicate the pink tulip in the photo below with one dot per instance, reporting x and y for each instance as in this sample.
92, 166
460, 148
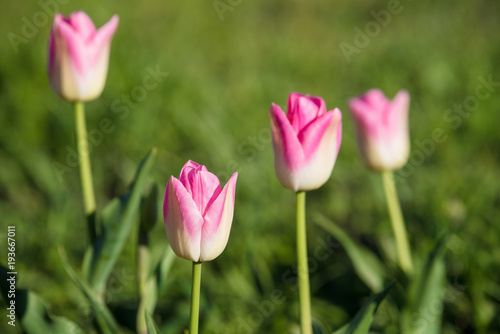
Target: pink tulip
198, 214
79, 56
382, 127
306, 142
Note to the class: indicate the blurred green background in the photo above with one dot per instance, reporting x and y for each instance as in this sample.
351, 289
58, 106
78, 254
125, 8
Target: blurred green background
225, 68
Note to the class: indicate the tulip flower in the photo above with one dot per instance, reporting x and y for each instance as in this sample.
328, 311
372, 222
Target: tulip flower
306, 142
382, 127
77, 68
198, 214
384, 142
79, 56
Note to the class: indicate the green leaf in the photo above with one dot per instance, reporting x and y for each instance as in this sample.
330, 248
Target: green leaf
149, 209
151, 325
366, 264
103, 314
32, 313
164, 267
117, 221
424, 306
361, 323
157, 282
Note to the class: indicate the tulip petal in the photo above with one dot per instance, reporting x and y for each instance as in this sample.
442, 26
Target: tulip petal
369, 112
184, 177
218, 221
82, 25
64, 79
310, 137
375, 98
285, 139
202, 185
288, 154
398, 112
75, 45
303, 109
318, 168
183, 221
103, 36
207, 189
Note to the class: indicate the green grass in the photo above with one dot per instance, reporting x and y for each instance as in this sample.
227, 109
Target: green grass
213, 108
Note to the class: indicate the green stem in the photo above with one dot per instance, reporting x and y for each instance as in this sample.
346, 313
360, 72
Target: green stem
398, 225
85, 170
195, 298
303, 269
142, 276
142, 261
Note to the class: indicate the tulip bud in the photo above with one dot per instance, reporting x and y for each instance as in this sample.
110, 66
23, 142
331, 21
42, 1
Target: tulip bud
306, 142
198, 214
382, 127
79, 56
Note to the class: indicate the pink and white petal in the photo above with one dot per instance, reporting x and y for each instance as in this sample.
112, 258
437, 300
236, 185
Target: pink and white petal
288, 154
292, 109
366, 117
201, 185
338, 118
75, 47
185, 174
205, 188
285, 139
376, 99
310, 137
319, 167
64, 78
398, 112
102, 37
82, 24
183, 221
321, 105
191, 165
384, 153
218, 221
306, 109
96, 75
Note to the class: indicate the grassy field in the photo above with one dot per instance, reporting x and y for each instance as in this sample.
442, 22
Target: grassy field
218, 71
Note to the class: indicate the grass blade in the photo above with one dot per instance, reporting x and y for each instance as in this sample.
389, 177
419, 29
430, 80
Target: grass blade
368, 267
117, 221
103, 314
361, 323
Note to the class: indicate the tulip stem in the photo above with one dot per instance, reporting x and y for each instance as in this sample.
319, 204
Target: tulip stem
195, 298
303, 269
142, 276
397, 222
85, 170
